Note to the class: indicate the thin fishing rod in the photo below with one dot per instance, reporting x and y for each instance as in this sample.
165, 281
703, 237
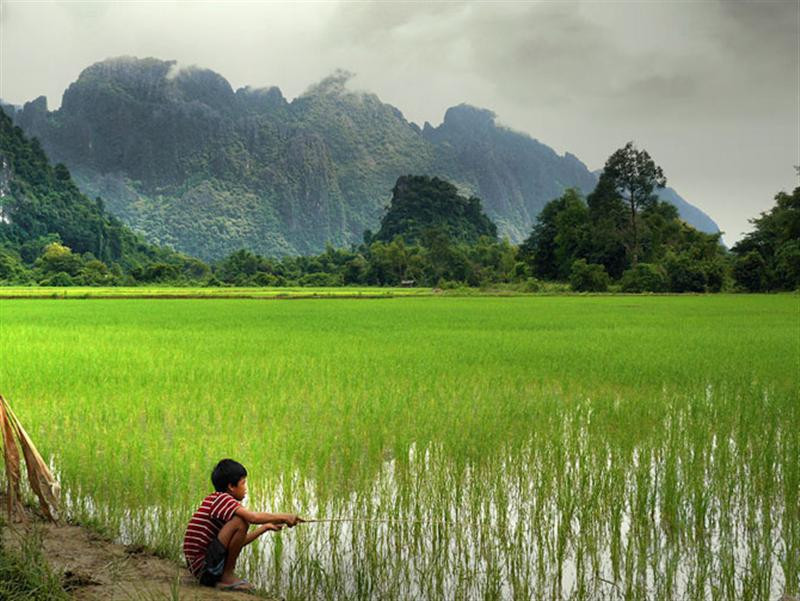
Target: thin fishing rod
318, 520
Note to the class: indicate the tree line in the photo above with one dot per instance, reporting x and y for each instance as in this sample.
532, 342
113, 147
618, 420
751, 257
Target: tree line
619, 238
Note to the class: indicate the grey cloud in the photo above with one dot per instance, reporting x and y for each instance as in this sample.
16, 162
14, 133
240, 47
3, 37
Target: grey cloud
763, 27
371, 22
664, 88
549, 53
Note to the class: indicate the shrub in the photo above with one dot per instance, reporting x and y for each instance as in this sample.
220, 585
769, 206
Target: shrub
787, 265
716, 271
59, 279
156, 272
444, 284
588, 277
321, 279
520, 272
56, 258
685, 274
749, 271
11, 267
645, 277
264, 279
96, 273
532, 285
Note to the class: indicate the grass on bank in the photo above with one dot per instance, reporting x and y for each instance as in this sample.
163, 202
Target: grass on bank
24, 572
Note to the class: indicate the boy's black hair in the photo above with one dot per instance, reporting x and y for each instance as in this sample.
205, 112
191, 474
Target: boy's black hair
227, 472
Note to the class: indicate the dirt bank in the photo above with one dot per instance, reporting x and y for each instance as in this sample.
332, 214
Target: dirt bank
95, 569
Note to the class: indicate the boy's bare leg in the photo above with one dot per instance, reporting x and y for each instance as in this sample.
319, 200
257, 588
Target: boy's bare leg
232, 536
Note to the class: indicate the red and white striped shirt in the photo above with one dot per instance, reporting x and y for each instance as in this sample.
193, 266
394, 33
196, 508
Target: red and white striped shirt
216, 509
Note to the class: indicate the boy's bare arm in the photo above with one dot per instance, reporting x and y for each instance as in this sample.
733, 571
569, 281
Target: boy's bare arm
262, 517
254, 534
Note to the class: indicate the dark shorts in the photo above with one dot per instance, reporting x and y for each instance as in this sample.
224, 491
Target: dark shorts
215, 562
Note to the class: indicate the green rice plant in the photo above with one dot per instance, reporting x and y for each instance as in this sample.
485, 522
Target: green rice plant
498, 448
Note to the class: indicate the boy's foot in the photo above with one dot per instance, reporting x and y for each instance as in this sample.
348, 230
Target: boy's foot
240, 585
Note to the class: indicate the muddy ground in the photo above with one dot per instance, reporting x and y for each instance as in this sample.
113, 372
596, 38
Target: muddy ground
93, 568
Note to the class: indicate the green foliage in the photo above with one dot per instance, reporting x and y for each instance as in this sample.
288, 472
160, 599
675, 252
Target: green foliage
53, 234
768, 258
633, 175
355, 270
32, 248
321, 279
421, 203
608, 225
717, 271
787, 264
532, 285
645, 277
241, 263
12, 269
157, 273
560, 234
50, 233
750, 271
588, 277
43, 200
195, 269
96, 273
57, 258
600, 232
60, 279
435, 258
685, 274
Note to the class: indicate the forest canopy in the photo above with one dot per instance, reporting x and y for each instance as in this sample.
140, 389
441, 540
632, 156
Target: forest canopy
619, 238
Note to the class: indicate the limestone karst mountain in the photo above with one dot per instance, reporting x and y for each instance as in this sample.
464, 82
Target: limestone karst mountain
40, 204
183, 158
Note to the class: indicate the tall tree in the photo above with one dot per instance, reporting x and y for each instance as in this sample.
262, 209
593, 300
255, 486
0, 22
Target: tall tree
608, 219
768, 258
634, 176
559, 236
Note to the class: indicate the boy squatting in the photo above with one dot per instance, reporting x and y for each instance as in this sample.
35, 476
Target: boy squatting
219, 529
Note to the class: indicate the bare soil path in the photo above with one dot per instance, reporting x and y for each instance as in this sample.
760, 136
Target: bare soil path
95, 569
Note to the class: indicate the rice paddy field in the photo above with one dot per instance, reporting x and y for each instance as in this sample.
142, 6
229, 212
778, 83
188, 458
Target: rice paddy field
99, 292
486, 448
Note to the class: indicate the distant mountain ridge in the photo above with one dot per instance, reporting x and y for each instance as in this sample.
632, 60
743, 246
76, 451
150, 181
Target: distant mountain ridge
191, 163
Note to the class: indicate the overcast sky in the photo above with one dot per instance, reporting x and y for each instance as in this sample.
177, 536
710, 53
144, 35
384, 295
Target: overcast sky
710, 88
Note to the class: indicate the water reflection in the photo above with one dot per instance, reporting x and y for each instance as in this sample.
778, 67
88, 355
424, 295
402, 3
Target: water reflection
594, 526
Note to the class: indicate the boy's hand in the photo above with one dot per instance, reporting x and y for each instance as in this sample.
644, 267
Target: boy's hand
292, 520
275, 527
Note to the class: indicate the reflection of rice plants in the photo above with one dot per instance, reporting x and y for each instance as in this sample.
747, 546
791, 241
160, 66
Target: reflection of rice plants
601, 447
